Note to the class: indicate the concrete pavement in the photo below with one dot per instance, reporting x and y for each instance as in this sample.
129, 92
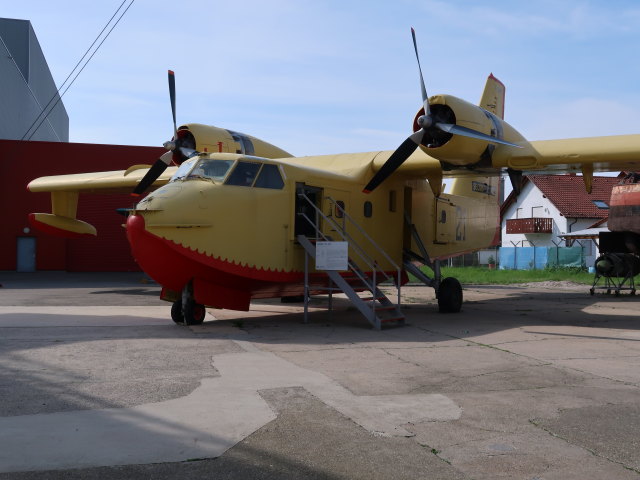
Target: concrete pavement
524, 383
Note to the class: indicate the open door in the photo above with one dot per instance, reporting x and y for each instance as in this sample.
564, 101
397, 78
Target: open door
307, 221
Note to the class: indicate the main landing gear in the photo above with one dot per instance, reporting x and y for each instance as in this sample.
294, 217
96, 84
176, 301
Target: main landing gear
448, 290
187, 311
449, 295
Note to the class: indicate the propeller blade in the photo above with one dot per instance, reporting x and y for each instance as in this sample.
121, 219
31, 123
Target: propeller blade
152, 174
396, 159
467, 132
188, 152
425, 97
172, 96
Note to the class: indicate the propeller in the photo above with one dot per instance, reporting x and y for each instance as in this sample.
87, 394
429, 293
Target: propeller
435, 124
181, 148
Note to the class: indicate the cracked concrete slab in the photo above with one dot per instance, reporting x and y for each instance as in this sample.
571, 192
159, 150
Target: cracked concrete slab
215, 416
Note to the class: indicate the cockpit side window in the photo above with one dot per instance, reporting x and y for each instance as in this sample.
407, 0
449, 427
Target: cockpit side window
183, 170
269, 177
214, 169
244, 174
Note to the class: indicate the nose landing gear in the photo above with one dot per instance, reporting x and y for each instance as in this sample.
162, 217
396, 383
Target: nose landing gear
187, 311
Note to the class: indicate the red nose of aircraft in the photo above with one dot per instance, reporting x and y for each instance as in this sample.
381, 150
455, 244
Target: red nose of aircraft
156, 256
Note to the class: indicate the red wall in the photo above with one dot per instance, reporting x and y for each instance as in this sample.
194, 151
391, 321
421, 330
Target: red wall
21, 162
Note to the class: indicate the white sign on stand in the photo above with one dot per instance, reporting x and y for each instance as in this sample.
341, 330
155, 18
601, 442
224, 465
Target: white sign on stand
332, 256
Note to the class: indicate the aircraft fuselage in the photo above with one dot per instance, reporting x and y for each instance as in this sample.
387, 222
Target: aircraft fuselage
229, 223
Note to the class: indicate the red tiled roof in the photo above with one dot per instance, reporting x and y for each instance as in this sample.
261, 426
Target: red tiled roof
568, 194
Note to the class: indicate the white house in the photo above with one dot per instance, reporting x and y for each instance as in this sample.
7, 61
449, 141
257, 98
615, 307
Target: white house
552, 205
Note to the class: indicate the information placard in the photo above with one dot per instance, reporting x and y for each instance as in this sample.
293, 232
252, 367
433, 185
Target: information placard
332, 256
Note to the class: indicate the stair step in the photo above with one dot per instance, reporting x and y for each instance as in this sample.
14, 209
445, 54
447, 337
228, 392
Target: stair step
392, 319
355, 281
370, 299
386, 307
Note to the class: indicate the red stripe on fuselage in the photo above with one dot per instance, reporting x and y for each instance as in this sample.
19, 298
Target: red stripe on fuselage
173, 265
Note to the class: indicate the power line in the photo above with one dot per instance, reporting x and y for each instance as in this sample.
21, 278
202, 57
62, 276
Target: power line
57, 96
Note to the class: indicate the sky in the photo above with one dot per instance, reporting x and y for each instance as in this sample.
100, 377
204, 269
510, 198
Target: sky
321, 77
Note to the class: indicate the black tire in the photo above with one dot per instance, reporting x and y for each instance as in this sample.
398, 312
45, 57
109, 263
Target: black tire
450, 295
193, 313
176, 312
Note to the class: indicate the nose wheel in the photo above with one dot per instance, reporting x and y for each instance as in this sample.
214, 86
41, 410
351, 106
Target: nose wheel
187, 311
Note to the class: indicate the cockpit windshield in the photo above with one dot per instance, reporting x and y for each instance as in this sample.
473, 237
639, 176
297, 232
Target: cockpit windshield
214, 169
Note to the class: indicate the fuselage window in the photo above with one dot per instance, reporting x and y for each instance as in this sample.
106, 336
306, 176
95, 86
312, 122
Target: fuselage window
368, 209
244, 174
269, 177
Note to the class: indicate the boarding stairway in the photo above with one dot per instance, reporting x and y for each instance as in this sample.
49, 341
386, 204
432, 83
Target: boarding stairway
360, 282
410, 258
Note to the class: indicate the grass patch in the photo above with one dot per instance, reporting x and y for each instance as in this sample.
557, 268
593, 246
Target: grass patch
484, 276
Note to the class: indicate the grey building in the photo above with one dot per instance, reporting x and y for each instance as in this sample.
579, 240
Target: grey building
27, 87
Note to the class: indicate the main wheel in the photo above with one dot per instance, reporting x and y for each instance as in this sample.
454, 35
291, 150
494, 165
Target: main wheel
193, 313
450, 295
176, 312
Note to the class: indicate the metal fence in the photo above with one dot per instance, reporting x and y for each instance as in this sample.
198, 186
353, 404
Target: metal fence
528, 258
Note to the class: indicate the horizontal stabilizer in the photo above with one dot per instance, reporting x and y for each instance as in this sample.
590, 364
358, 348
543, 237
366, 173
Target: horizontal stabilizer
61, 226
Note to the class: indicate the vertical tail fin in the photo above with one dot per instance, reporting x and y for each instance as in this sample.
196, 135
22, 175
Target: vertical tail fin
493, 96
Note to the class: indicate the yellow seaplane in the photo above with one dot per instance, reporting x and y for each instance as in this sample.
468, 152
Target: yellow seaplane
237, 219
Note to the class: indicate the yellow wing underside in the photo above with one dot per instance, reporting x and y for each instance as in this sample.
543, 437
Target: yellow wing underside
603, 154
120, 181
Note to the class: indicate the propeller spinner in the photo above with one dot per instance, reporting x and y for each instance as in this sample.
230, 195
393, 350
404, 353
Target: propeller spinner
179, 149
433, 124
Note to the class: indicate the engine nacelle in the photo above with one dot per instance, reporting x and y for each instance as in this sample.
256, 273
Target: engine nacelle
207, 138
458, 149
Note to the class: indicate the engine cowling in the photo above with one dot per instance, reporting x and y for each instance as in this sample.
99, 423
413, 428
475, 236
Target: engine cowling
460, 150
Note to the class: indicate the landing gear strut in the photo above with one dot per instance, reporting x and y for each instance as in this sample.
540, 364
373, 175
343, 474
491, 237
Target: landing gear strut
448, 290
187, 311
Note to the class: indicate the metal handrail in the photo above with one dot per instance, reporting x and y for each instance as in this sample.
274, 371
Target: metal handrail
345, 236
356, 247
364, 233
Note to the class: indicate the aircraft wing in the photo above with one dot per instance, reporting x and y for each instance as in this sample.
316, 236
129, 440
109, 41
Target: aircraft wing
583, 155
590, 154
66, 188
120, 181
599, 154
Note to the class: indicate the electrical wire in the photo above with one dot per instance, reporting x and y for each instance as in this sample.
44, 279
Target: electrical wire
57, 96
